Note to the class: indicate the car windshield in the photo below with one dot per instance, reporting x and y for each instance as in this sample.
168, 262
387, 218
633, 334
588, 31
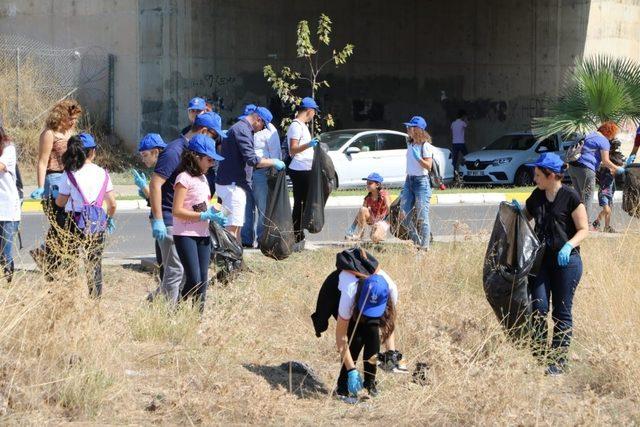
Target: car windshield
336, 139
512, 142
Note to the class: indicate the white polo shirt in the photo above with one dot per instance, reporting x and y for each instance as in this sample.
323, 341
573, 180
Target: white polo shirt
348, 285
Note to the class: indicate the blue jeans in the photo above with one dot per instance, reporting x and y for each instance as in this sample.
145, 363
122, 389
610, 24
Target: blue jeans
256, 200
8, 230
415, 200
554, 286
51, 184
194, 253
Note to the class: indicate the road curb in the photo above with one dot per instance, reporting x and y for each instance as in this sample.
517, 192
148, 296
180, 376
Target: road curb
446, 199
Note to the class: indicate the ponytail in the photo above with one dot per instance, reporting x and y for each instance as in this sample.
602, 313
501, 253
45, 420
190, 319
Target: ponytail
76, 155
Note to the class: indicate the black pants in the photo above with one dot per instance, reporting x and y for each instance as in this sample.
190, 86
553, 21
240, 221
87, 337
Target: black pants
89, 248
455, 153
195, 255
300, 181
367, 336
54, 245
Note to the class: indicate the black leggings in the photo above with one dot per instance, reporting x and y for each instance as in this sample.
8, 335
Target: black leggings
300, 181
194, 254
367, 335
54, 243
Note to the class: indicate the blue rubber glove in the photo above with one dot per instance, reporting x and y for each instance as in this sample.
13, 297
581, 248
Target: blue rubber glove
111, 225
278, 164
313, 142
158, 229
564, 254
416, 150
55, 191
620, 171
516, 204
141, 193
214, 215
631, 159
139, 179
37, 193
354, 381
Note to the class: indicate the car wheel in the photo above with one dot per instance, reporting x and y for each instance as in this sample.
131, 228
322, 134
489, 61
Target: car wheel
523, 178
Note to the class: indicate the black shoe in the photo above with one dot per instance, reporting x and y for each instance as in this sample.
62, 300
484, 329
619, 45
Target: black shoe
247, 245
555, 370
372, 388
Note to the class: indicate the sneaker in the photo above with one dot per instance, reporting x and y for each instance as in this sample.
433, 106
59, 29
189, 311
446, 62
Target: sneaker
595, 226
390, 361
554, 370
372, 388
609, 229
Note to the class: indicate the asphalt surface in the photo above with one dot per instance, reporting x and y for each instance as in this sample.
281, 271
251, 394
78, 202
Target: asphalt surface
132, 238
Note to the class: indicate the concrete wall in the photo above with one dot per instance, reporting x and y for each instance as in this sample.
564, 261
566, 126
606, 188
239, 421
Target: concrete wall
99, 27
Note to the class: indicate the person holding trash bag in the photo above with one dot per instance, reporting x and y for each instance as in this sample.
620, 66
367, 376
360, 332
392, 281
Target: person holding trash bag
366, 315
416, 193
301, 151
232, 181
594, 150
561, 223
192, 215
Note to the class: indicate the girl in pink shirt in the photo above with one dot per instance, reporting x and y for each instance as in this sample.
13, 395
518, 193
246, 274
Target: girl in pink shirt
192, 214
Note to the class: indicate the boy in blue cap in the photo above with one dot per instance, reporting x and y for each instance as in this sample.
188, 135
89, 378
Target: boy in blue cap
373, 212
196, 106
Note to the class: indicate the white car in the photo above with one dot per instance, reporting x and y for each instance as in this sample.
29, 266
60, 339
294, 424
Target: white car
358, 152
503, 161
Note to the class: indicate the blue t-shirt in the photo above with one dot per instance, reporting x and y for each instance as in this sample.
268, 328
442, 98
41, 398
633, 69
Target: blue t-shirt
590, 156
168, 162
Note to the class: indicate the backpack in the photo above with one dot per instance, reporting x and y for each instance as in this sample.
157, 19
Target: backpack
435, 177
575, 151
92, 219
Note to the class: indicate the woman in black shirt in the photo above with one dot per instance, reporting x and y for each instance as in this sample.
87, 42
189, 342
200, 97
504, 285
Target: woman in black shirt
561, 223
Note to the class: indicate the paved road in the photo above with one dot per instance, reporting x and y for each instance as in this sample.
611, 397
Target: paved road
133, 235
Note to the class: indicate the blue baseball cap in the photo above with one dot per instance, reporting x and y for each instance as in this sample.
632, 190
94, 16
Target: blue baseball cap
309, 102
209, 120
417, 122
204, 145
375, 177
264, 114
550, 161
248, 109
197, 104
374, 296
87, 140
151, 140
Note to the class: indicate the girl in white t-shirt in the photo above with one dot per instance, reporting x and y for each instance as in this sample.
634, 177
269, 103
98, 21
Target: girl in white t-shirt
9, 204
301, 151
84, 182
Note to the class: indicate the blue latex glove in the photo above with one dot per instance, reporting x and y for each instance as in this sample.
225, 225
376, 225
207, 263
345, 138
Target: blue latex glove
158, 229
278, 164
516, 204
313, 142
631, 159
416, 150
55, 191
214, 215
141, 193
620, 171
139, 179
37, 193
564, 254
354, 381
111, 225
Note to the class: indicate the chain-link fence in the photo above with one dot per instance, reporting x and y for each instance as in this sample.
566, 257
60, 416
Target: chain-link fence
34, 76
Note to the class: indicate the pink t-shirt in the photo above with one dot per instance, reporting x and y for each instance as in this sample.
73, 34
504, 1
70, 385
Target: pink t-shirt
198, 195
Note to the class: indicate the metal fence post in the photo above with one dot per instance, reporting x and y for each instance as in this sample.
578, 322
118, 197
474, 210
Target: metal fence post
18, 118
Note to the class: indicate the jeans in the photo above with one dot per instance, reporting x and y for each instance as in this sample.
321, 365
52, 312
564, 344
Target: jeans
194, 253
300, 181
455, 152
256, 200
367, 336
555, 286
51, 184
415, 199
173, 272
8, 230
584, 181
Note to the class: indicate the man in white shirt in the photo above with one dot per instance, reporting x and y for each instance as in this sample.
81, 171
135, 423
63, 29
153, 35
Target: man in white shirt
458, 128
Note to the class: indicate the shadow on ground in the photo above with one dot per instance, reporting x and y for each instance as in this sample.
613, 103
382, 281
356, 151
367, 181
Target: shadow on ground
297, 377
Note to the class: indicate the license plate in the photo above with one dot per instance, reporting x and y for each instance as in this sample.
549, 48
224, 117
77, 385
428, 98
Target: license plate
475, 173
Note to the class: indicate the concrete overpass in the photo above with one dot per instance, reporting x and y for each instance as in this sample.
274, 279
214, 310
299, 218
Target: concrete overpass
499, 59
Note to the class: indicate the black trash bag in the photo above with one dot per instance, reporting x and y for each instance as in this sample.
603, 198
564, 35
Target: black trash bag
226, 253
512, 255
631, 192
321, 184
395, 224
278, 238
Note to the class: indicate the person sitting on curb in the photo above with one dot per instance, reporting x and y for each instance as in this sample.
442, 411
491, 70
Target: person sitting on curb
373, 211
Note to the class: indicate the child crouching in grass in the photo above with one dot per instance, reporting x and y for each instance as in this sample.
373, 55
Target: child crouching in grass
373, 212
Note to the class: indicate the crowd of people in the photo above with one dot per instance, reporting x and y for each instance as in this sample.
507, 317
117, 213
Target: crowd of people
204, 161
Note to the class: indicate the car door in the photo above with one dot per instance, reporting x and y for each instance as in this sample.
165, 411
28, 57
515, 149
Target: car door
392, 163
362, 163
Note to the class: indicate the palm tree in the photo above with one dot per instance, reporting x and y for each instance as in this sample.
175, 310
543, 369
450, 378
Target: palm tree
598, 89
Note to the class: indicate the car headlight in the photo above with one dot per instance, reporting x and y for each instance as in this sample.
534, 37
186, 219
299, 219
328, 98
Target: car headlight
501, 161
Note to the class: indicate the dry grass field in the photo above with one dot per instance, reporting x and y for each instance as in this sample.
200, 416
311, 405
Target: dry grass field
66, 358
